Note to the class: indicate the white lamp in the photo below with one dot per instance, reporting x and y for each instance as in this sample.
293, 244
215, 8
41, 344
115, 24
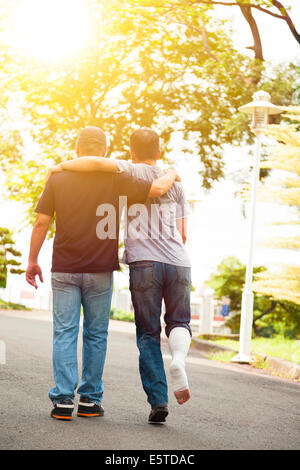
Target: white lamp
260, 109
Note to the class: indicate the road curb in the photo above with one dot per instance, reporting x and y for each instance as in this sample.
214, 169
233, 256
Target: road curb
205, 345
289, 369
284, 368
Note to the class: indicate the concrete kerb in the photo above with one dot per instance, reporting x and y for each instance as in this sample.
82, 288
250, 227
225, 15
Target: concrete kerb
284, 368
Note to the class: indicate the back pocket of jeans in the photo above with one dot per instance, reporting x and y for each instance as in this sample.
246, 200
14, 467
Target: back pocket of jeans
60, 280
141, 276
184, 275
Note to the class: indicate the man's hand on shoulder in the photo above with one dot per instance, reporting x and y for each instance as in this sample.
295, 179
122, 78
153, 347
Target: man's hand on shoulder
161, 185
172, 170
55, 169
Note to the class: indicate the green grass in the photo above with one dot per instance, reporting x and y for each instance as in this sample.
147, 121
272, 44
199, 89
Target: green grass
226, 356
283, 348
11, 306
223, 356
121, 315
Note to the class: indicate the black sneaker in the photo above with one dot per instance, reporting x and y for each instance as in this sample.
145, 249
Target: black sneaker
63, 410
158, 415
88, 409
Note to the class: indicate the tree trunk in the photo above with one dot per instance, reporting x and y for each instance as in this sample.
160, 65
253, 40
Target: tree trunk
273, 305
257, 47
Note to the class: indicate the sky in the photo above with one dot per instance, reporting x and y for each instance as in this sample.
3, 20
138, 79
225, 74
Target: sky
217, 227
278, 44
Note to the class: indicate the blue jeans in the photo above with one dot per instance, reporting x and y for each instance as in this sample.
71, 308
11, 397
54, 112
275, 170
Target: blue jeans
94, 293
152, 282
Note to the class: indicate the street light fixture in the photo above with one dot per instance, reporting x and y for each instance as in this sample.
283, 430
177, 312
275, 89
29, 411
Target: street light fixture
260, 109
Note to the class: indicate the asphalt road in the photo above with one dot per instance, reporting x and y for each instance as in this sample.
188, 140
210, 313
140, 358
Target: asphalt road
231, 407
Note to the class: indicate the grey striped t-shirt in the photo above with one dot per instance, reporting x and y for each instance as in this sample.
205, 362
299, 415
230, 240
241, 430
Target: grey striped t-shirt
150, 230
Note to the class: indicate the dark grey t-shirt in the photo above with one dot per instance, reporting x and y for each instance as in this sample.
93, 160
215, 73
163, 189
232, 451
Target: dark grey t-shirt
150, 230
76, 198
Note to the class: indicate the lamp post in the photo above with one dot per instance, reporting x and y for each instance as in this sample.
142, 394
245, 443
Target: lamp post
260, 109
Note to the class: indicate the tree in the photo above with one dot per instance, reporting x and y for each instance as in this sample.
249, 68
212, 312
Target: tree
274, 8
284, 283
7, 256
268, 314
136, 72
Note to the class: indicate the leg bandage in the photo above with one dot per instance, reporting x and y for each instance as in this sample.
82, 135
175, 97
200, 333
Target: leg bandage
179, 343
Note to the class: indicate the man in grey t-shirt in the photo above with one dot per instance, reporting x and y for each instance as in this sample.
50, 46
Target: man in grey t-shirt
152, 229
160, 270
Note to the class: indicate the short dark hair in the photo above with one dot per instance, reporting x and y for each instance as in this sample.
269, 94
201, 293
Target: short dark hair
91, 141
144, 143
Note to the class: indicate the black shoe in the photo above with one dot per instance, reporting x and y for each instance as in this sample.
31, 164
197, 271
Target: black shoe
88, 409
158, 415
63, 410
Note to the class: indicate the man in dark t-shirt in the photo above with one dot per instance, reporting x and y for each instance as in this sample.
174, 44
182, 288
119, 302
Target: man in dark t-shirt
85, 254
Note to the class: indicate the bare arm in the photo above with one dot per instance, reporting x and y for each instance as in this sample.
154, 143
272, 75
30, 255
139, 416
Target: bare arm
90, 164
182, 228
85, 164
159, 186
38, 236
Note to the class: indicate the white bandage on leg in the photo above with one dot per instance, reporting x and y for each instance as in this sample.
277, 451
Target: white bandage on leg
179, 343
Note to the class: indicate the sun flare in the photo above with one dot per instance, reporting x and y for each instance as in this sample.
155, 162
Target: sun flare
50, 30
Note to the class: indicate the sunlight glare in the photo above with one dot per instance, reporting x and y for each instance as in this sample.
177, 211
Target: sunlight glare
51, 30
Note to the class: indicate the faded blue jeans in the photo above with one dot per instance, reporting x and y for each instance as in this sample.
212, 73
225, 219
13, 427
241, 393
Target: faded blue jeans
94, 293
152, 282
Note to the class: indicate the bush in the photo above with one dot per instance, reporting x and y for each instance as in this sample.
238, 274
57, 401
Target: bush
11, 306
121, 315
